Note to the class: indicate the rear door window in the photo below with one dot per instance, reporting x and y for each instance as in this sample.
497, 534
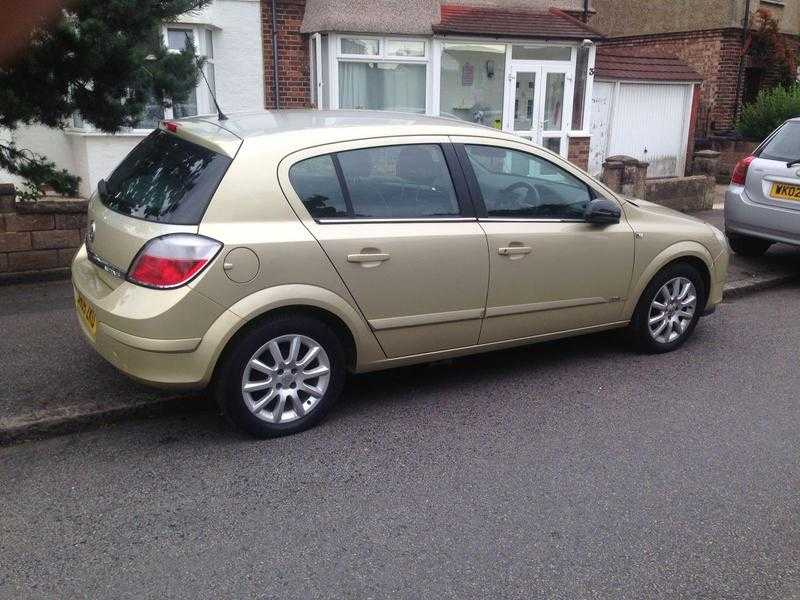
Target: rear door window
396, 182
784, 145
315, 181
387, 182
165, 179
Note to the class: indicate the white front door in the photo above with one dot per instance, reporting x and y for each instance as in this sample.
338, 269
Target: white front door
535, 104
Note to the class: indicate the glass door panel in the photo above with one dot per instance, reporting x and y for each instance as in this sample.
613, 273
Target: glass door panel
554, 102
535, 98
525, 102
553, 144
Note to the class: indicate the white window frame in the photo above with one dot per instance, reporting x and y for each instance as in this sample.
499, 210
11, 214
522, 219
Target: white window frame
336, 56
205, 104
434, 47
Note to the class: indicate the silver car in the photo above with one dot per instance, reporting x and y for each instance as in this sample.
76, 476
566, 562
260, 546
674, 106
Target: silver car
762, 204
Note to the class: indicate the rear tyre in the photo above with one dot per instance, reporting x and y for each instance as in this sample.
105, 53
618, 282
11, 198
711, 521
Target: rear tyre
748, 246
668, 309
281, 377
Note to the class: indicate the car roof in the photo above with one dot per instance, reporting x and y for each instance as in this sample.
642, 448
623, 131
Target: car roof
329, 126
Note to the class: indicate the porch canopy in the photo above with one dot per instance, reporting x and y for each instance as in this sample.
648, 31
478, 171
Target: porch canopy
552, 24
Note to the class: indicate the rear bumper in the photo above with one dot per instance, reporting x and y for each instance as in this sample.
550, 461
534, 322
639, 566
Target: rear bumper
127, 317
746, 217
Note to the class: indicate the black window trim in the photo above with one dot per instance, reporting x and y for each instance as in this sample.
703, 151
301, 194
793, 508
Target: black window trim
477, 196
466, 207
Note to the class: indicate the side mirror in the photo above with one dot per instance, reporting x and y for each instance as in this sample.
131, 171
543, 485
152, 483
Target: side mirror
602, 211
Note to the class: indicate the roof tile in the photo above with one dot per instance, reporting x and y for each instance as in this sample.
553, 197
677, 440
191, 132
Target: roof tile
628, 63
552, 24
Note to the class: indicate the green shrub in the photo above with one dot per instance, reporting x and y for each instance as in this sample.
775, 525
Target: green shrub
770, 109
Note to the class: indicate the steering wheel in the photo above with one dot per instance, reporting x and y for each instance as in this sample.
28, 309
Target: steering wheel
532, 197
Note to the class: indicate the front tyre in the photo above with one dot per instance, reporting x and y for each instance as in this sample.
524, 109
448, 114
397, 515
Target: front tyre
282, 376
669, 309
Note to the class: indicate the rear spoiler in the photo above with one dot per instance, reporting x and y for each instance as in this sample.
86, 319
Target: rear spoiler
203, 133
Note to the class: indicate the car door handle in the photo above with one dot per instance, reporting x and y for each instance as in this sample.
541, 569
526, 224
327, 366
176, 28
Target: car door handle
367, 258
514, 250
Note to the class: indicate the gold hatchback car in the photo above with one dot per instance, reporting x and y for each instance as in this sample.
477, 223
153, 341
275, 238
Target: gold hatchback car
268, 254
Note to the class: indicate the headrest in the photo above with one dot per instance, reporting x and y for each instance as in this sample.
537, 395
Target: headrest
416, 164
357, 163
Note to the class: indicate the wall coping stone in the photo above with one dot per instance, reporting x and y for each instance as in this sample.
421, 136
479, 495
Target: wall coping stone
60, 206
626, 160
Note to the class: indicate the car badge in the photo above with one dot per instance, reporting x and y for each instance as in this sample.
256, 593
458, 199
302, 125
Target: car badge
90, 233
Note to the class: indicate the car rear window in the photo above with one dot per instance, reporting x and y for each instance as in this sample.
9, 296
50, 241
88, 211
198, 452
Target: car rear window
165, 179
784, 145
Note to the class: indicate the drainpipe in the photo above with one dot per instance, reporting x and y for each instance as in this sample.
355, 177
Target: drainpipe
275, 57
740, 76
585, 11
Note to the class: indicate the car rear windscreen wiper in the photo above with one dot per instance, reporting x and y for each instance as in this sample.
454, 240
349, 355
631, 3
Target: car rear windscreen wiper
794, 162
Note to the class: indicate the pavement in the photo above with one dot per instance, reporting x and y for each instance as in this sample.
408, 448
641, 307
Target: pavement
745, 275
569, 470
53, 383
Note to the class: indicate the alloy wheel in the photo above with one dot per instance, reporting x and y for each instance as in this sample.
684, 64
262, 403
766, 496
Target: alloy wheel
672, 310
286, 378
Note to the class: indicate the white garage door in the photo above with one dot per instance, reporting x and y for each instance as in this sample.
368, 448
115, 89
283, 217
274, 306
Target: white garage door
649, 121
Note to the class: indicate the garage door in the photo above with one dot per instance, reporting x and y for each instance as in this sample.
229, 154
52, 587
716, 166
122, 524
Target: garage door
648, 121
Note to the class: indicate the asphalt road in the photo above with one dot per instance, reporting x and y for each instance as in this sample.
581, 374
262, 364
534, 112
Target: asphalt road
574, 469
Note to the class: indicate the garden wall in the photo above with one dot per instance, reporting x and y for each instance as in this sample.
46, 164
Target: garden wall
38, 239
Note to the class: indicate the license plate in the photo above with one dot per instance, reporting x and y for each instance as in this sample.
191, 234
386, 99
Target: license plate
86, 313
785, 191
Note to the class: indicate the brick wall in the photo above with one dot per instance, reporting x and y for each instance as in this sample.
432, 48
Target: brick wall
293, 59
38, 237
713, 54
578, 152
730, 151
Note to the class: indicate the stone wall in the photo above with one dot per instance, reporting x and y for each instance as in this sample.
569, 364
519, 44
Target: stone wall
686, 194
38, 238
730, 151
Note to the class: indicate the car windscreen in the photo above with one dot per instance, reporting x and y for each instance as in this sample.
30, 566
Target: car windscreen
165, 179
784, 145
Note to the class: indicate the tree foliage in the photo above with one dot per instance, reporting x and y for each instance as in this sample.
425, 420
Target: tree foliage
767, 47
102, 59
770, 109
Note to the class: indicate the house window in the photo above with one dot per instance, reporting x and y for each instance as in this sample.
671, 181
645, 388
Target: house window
539, 52
382, 74
199, 100
472, 82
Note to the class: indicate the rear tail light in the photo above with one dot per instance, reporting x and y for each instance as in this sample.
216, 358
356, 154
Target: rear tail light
172, 260
739, 175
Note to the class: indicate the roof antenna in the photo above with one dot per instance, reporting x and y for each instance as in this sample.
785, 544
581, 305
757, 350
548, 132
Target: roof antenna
220, 115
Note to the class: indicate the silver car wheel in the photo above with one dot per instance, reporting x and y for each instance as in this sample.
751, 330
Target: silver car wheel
672, 310
286, 378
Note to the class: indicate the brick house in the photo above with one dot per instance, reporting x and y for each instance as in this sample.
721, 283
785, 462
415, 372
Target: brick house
709, 35
524, 66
